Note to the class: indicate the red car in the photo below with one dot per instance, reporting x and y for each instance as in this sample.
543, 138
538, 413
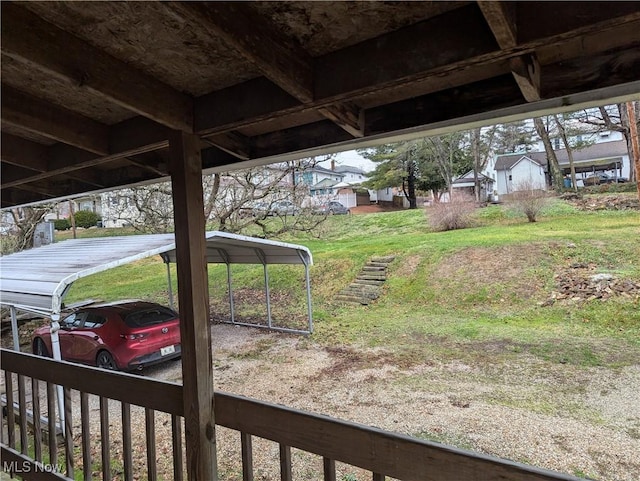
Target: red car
125, 335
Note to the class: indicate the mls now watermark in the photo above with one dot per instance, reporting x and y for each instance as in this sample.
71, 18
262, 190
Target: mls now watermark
24, 467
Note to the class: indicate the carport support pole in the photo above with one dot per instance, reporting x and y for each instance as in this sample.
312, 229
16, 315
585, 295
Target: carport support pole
14, 329
231, 306
57, 355
267, 294
309, 309
166, 261
185, 166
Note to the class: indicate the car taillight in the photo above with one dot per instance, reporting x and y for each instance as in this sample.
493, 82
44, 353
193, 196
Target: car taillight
132, 337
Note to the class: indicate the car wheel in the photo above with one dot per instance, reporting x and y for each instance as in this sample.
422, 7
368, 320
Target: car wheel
105, 360
40, 348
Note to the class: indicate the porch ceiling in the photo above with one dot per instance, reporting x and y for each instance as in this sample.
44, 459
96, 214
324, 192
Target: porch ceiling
38, 279
91, 89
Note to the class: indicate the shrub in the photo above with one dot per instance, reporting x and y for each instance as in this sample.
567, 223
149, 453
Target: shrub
528, 200
61, 224
456, 214
86, 219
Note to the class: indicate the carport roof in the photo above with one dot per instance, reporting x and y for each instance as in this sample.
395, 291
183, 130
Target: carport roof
37, 279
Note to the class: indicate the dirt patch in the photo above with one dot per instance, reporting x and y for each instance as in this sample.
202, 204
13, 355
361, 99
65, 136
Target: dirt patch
490, 268
408, 266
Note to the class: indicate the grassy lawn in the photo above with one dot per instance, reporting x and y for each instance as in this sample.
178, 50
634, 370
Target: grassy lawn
463, 288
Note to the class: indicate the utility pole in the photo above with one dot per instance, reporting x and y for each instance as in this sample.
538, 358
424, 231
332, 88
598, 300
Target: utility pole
633, 131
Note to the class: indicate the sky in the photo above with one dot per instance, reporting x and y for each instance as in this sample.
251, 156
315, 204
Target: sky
352, 158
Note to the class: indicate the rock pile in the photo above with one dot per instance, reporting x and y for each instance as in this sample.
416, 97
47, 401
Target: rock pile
604, 202
574, 286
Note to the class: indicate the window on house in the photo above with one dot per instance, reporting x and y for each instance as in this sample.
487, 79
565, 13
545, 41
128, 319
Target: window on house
510, 177
556, 144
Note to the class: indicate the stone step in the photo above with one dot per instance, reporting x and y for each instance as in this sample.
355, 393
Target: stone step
369, 282
377, 264
384, 259
371, 277
353, 299
374, 269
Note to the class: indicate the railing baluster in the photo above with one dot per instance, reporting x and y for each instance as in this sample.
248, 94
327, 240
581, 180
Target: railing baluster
51, 418
285, 463
378, 477
127, 456
150, 422
104, 434
68, 434
329, 469
247, 457
22, 409
86, 435
11, 415
176, 434
37, 424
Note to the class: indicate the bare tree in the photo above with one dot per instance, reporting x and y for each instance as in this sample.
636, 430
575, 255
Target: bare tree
233, 201
554, 166
568, 147
615, 118
19, 232
481, 143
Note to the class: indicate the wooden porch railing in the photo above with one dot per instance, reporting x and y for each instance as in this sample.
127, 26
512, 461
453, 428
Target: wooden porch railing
381, 453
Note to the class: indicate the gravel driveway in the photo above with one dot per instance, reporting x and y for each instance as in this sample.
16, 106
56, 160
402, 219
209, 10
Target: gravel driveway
582, 421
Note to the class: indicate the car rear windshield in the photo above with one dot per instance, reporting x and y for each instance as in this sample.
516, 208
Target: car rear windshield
149, 317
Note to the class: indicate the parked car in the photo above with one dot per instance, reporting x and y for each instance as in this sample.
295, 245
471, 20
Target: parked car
284, 207
125, 335
332, 207
602, 178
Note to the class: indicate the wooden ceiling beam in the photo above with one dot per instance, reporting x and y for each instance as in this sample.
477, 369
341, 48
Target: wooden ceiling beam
233, 143
28, 38
53, 122
280, 60
502, 20
23, 153
347, 116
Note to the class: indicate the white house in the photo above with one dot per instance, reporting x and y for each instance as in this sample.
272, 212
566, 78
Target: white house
466, 183
352, 175
515, 171
610, 156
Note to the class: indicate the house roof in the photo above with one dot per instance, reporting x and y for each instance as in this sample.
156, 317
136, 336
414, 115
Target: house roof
349, 168
38, 279
467, 180
506, 162
597, 154
324, 184
91, 91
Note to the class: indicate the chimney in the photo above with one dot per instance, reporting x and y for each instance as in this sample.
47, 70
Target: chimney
333, 164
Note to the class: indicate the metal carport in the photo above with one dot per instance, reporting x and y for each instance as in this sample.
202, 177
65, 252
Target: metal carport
37, 280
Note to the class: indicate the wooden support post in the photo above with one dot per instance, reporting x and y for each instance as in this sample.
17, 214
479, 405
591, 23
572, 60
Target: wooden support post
193, 296
635, 143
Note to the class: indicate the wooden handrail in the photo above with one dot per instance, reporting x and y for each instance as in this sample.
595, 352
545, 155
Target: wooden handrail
158, 395
385, 453
390, 454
